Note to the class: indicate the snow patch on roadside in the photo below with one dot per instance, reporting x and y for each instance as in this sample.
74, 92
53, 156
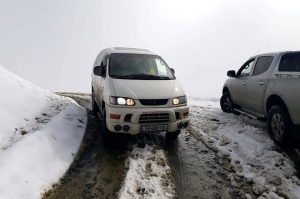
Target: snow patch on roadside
203, 101
148, 175
40, 133
252, 154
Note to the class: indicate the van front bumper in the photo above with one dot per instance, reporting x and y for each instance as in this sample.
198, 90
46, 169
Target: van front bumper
131, 117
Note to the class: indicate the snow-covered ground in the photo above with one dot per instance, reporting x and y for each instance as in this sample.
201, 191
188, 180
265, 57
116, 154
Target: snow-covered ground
148, 175
251, 152
204, 101
40, 133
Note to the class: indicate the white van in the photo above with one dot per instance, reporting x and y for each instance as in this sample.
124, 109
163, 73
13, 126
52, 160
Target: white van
134, 91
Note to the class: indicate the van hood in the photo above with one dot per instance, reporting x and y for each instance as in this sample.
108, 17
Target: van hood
147, 89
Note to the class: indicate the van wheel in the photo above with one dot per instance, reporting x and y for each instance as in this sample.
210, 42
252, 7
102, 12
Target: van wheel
106, 134
226, 103
172, 135
95, 107
278, 125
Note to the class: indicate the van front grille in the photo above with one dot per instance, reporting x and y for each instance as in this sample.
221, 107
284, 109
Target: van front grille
153, 102
154, 118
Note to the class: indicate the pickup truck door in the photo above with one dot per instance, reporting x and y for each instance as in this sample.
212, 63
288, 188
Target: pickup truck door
239, 84
257, 83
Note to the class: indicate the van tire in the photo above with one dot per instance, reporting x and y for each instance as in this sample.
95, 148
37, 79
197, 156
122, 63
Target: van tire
279, 125
106, 134
95, 107
172, 135
226, 103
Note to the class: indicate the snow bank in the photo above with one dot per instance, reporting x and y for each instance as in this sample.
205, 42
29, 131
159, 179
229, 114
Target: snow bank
148, 175
40, 133
252, 154
203, 101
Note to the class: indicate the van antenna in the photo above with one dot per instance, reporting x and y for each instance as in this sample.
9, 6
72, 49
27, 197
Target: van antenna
256, 52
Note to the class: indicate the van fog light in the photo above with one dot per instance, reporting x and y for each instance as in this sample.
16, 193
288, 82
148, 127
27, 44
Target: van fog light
126, 128
118, 128
180, 125
185, 125
115, 116
185, 114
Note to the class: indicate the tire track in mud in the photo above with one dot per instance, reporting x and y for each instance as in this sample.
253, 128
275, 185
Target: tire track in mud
199, 173
97, 172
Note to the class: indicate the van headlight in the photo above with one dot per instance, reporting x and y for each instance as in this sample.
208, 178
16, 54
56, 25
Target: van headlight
179, 100
121, 101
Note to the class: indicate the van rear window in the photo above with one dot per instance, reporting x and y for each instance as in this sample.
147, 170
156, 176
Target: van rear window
290, 62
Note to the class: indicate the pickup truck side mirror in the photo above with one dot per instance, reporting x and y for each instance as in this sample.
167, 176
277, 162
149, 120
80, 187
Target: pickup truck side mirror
99, 71
173, 71
231, 73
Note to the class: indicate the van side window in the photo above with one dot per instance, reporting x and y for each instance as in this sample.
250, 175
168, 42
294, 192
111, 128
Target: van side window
262, 64
161, 67
290, 62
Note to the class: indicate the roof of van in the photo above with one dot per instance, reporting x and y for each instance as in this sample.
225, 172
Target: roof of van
127, 50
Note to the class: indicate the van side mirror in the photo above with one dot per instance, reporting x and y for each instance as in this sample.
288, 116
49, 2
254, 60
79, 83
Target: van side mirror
231, 73
99, 71
173, 71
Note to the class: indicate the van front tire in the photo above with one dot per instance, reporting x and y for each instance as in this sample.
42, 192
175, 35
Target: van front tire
95, 107
106, 134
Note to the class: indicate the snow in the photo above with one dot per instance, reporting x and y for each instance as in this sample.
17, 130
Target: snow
148, 175
252, 154
260, 181
40, 133
204, 101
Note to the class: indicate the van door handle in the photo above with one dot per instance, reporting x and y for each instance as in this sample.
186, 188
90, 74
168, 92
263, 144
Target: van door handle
244, 83
261, 83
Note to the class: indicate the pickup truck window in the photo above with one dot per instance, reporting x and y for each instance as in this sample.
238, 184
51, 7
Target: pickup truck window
262, 64
290, 62
246, 68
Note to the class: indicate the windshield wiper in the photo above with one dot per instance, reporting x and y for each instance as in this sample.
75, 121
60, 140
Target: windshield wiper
141, 76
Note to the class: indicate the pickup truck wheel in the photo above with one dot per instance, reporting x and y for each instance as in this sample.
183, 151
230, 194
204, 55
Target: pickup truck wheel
106, 135
278, 124
95, 107
226, 103
172, 135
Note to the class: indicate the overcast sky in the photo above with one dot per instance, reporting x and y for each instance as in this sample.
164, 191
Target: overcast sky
54, 43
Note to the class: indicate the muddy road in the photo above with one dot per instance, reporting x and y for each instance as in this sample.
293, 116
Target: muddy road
98, 170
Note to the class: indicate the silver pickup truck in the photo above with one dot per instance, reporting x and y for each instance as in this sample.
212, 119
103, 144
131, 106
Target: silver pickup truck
267, 87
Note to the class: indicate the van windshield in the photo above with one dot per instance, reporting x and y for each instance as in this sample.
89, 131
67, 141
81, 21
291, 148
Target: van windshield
138, 66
